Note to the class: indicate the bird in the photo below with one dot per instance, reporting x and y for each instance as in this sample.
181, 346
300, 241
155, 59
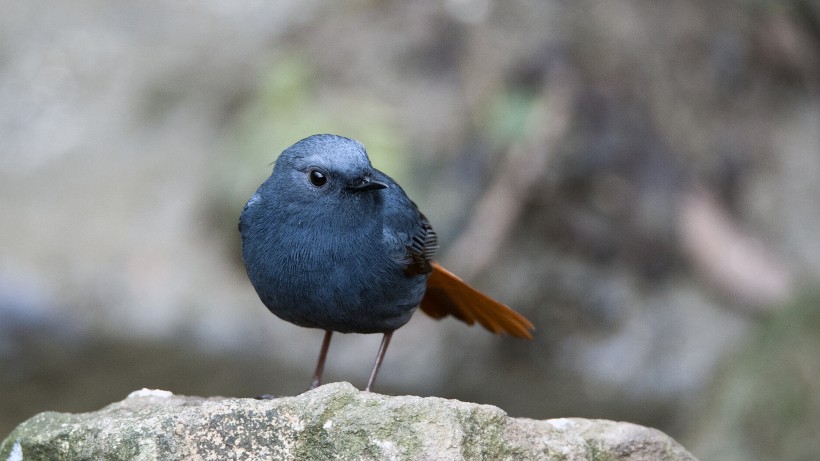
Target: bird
332, 243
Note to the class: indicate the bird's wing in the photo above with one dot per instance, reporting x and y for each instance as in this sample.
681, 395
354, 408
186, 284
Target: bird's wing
421, 249
409, 232
447, 295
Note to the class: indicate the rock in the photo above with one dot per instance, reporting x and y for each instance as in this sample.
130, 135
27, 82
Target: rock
334, 421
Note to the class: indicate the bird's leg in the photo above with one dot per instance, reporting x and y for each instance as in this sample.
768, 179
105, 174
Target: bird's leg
320, 365
379, 360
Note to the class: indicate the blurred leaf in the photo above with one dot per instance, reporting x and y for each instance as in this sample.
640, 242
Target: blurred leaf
512, 115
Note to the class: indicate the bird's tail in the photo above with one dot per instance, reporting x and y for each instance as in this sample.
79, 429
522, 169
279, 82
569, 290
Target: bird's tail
447, 295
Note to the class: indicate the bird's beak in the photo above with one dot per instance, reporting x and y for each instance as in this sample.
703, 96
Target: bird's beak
366, 183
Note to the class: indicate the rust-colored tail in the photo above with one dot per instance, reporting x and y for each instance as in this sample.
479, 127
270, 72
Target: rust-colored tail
449, 295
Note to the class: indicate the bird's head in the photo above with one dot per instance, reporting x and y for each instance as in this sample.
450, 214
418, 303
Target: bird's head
326, 170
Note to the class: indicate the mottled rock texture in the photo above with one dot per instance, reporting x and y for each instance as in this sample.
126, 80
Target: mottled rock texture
335, 421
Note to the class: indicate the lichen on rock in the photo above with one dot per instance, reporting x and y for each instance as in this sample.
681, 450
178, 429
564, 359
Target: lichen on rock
334, 421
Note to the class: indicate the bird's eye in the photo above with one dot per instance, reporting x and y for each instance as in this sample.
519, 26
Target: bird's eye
317, 178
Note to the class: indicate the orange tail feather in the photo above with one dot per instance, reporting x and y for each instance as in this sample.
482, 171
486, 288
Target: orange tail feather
447, 295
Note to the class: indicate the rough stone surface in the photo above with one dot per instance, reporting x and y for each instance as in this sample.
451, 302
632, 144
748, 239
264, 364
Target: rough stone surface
335, 421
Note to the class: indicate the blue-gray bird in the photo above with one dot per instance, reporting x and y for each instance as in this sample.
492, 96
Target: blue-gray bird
330, 242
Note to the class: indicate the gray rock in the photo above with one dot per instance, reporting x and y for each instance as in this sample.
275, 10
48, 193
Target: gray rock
335, 421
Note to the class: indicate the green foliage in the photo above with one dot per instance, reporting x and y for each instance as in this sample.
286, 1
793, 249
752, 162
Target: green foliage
768, 405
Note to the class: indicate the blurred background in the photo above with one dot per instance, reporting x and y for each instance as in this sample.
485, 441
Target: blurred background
640, 180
